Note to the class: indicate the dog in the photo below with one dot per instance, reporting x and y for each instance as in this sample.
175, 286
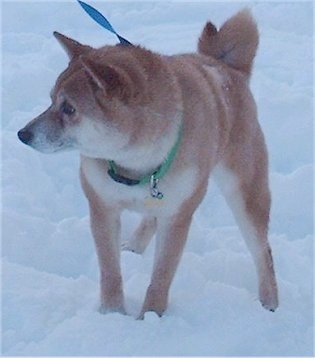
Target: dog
150, 130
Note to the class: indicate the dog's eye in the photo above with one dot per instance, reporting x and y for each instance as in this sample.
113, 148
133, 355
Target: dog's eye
67, 109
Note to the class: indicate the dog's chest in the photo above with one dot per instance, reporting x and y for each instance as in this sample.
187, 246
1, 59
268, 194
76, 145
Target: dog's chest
175, 188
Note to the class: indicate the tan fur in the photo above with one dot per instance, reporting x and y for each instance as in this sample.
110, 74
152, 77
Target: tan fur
235, 43
129, 104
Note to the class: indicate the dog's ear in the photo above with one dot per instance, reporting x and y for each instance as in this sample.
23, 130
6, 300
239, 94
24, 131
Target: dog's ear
72, 47
109, 78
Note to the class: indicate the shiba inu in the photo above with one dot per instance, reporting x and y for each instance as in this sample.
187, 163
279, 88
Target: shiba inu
150, 130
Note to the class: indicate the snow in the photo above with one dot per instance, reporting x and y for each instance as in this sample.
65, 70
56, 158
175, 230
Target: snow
49, 267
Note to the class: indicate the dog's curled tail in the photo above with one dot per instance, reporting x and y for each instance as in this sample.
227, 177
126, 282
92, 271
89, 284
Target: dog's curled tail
235, 43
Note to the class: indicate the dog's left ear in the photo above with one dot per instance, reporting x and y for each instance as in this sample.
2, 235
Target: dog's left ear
72, 47
114, 81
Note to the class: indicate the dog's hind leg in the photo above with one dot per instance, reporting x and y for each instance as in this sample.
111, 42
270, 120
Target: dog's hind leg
249, 200
142, 236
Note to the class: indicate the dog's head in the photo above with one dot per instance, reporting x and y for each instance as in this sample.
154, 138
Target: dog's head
107, 100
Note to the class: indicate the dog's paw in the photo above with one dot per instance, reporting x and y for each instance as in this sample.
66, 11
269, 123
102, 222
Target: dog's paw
129, 246
269, 308
269, 298
149, 316
103, 309
270, 305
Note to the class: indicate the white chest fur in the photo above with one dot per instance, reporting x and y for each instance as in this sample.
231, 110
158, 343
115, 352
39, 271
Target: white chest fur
176, 188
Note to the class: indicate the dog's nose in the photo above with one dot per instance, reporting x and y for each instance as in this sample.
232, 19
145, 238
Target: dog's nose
25, 136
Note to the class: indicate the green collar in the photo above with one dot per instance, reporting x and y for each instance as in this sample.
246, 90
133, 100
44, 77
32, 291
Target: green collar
152, 178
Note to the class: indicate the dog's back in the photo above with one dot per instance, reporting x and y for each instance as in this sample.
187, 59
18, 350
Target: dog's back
219, 107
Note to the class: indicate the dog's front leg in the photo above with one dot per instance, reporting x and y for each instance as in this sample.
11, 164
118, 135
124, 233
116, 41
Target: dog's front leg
105, 224
170, 241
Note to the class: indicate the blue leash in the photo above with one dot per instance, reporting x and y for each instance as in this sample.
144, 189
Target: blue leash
101, 20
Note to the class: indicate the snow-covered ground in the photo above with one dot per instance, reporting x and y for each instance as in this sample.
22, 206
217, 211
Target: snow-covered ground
49, 267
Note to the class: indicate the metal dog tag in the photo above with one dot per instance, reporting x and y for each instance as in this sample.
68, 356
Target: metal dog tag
154, 191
